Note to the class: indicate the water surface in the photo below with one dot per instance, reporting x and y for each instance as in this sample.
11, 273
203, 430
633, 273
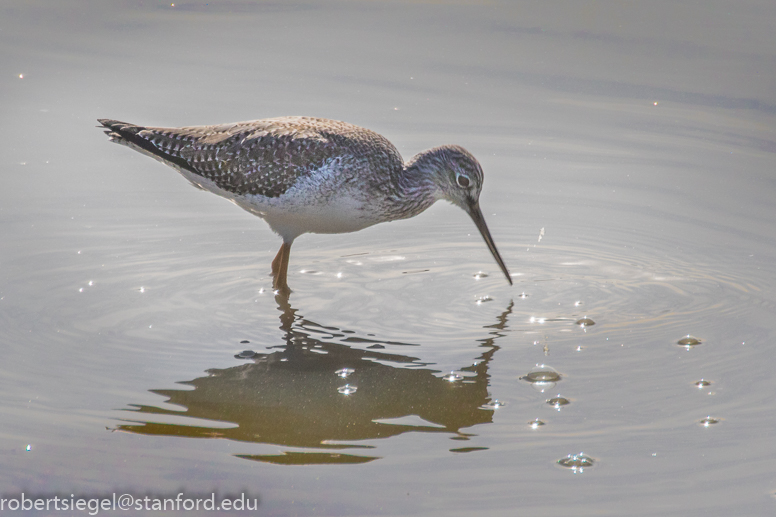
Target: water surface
629, 157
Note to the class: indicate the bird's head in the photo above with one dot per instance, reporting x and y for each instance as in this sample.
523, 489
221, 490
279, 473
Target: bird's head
458, 177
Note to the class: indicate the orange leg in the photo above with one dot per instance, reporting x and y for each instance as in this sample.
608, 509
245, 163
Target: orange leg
280, 269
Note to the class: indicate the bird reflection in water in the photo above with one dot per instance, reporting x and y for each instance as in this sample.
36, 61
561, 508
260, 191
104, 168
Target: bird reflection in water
290, 396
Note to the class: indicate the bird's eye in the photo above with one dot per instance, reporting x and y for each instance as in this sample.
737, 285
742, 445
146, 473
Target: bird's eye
463, 180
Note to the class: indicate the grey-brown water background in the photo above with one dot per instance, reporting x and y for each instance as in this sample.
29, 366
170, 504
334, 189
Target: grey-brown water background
637, 139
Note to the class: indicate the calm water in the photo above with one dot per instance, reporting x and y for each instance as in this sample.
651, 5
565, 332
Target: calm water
629, 154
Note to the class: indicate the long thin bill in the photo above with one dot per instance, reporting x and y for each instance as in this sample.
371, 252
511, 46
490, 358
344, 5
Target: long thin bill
479, 220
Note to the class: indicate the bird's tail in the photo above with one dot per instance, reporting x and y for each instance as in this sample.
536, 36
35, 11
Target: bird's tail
149, 141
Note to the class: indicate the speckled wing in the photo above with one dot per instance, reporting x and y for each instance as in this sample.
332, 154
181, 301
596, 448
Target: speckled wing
263, 157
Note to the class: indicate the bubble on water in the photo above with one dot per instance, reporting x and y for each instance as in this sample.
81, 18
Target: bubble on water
244, 342
376, 347
522, 295
585, 322
576, 462
452, 377
578, 303
493, 404
558, 402
480, 274
344, 372
542, 373
245, 354
689, 341
29, 447
542, 377
536, 424
702, 383
483, 299
709, 421
347, 389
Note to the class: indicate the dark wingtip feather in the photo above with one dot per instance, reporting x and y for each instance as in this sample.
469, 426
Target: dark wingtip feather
117, 125
129, 134
116, 129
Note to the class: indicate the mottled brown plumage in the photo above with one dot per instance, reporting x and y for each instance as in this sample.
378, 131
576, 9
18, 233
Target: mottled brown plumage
265, 157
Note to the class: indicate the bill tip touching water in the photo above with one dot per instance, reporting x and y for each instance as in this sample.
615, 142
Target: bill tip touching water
312, 175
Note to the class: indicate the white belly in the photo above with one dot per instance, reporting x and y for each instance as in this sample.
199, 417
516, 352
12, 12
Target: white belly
309, 207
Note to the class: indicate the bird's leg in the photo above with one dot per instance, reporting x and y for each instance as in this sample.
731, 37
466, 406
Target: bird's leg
276, 261
280, 269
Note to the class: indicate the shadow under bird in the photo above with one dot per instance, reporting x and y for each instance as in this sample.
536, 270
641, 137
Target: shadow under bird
312, 175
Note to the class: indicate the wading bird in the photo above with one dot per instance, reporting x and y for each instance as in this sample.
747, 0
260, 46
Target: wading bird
312, 175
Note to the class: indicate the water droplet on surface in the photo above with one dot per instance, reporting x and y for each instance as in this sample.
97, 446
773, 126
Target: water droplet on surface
702, 383
245, 354
493, 404
542, 373
558, 402
347, 389
689, 341
536, 424
585, 322
344, 372
577, 462
542, 377
29, 447
452, 377
708, 421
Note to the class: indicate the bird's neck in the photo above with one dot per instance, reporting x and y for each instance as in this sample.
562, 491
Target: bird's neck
417, 186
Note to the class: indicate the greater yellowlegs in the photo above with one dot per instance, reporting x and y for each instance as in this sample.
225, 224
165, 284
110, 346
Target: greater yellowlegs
312, 175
